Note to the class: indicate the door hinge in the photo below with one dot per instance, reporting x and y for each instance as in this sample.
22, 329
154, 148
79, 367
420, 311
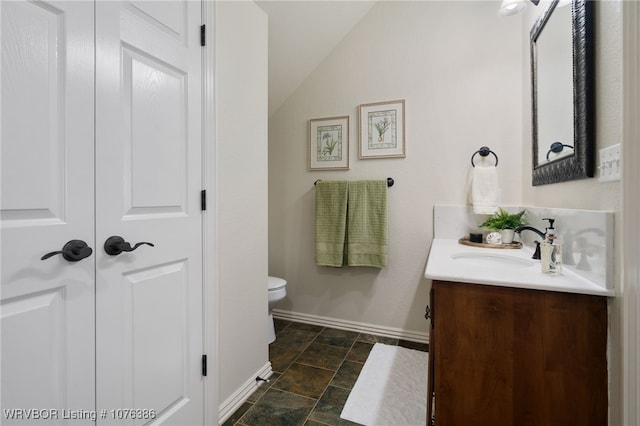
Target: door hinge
204, 365
203, 199
203, 35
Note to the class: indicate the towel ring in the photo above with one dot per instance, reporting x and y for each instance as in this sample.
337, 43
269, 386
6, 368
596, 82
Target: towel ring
484, 151
557, 147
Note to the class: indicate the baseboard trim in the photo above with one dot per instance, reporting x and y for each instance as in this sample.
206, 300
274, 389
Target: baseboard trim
360, 327
240, 396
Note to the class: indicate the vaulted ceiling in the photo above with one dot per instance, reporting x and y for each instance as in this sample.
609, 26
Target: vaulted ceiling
301, 35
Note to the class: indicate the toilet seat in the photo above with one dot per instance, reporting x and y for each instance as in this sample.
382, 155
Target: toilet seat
275, 283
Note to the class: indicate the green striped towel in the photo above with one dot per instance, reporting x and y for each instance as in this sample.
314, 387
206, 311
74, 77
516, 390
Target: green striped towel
367, 223
351, 223
331, 222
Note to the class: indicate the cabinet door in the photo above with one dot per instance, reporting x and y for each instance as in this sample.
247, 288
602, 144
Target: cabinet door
473, 355
431, 371
574, 333
507, 356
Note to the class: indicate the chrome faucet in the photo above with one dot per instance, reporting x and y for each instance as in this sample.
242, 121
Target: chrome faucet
519, 229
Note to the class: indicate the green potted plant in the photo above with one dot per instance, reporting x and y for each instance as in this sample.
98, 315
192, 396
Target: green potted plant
504, 222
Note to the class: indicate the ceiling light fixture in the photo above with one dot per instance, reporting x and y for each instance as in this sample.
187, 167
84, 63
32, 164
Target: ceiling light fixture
511, 7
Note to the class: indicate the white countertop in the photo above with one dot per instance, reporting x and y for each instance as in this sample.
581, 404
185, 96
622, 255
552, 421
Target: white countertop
442, 266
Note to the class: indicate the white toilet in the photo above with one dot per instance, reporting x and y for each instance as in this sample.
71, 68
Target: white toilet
277, 291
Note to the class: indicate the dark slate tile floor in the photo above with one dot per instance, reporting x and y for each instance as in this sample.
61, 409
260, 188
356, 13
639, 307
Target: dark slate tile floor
314, 369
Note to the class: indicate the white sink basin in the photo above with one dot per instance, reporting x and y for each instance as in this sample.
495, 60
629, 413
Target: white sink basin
492, 260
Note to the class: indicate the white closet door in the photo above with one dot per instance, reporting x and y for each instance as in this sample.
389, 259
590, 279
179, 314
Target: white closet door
47, 306
148, 180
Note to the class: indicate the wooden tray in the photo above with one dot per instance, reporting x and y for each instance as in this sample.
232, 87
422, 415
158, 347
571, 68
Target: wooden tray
465, 241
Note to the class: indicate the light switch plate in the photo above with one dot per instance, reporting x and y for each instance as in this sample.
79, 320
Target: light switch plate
610, 162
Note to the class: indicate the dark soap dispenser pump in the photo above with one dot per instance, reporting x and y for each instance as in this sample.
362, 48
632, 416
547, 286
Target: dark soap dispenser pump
551, 251
550, 231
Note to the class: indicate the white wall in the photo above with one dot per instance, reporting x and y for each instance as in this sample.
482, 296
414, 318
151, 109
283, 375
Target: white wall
458, 65
589, 193
241, 192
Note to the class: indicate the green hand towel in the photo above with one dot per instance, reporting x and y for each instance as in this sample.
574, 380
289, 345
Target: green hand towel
367, 224
331, 221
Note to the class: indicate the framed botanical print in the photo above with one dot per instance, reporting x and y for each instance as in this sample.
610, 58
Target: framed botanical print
329, 143
382, 130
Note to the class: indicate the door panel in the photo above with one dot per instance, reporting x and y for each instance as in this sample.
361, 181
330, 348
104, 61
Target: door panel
33, 66
41, 318
156, 96
157, 299
171, 17
47, 306
149, 306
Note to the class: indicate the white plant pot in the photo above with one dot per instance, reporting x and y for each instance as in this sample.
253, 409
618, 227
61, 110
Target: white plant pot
507, 236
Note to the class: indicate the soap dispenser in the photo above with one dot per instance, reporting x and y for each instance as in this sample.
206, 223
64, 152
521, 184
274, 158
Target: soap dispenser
551, 251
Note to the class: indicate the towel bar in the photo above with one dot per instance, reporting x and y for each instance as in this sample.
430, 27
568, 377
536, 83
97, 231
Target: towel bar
390, 181
484, 151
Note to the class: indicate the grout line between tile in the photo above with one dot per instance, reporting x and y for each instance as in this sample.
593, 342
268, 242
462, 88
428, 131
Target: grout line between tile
332, 377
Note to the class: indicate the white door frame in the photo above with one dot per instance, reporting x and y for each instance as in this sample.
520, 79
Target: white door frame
630, 291
209, 219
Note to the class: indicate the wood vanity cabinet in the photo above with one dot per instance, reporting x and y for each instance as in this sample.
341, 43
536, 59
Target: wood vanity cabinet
510, 356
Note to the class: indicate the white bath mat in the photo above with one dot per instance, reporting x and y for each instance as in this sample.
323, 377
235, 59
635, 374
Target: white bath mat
391, 388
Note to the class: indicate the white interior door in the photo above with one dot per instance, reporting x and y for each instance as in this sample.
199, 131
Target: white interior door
47, 306
148, 181
120, 331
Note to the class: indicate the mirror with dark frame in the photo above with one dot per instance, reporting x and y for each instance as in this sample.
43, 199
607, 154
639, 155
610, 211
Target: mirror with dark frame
562, 83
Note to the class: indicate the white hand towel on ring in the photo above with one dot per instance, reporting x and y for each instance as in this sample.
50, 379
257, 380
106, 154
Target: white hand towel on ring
484, 189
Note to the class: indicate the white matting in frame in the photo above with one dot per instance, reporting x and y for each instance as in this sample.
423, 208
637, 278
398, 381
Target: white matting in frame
329, 143
382, 130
